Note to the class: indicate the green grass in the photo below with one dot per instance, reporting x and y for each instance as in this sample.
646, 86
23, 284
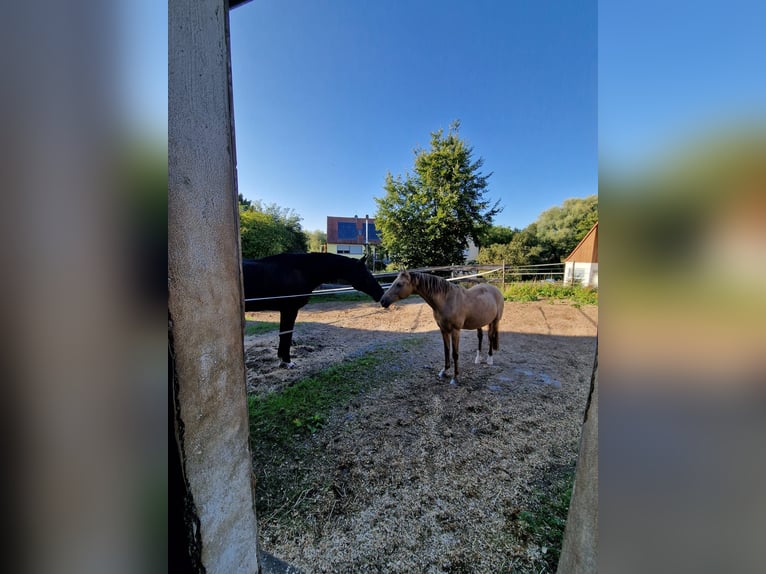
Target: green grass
280, 423
542, 523
258, 327
537, 291
304, 407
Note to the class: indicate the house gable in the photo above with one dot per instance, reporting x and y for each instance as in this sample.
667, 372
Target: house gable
587, 250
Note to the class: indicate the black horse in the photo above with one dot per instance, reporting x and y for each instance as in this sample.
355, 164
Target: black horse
299, 274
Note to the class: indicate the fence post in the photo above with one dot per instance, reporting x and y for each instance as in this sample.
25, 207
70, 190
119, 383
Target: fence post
212, 517
503, 282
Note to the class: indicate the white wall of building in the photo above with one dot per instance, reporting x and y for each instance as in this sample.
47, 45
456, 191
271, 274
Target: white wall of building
584, 273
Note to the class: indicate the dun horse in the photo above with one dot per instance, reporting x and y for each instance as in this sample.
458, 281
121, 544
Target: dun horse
280, 276
455, 308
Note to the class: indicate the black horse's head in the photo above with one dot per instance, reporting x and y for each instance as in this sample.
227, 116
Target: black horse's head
362, 280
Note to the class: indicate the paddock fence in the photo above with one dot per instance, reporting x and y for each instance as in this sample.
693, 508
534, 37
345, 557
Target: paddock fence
497, 274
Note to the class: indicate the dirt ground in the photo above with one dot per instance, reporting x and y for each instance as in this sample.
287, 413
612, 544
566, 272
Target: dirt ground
418, 475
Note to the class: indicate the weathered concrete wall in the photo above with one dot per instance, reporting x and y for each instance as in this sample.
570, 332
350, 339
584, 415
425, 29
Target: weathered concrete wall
579, 550
205, 298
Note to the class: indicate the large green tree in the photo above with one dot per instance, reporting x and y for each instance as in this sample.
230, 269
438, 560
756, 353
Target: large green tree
549, 239
269, 229
316, 239
498, 234
560, 228
522, 249
428, 217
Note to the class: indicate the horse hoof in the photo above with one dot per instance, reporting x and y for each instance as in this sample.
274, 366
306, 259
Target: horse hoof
284, 365
477, 360
441, 374
453, 382
490, 360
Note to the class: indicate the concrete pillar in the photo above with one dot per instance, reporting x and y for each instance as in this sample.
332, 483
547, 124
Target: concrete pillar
213, 513
579, 551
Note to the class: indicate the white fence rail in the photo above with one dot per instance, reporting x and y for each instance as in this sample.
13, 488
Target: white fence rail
496, 274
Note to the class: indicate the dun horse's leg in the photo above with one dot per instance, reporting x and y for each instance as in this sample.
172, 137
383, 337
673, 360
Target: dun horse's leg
478, 353
286, 325
445, 338
455, 347
494, 339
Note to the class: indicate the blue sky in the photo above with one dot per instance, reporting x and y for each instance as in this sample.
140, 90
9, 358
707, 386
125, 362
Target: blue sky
142, 66
670, 73
329, 96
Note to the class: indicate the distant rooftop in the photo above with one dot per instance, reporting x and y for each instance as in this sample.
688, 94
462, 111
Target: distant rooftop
352, 230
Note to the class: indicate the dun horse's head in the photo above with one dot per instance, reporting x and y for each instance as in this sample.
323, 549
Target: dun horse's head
401, 288
363, 280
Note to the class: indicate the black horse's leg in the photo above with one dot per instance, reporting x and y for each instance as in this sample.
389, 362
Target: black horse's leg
445, 338
480, 334
286, 326
455, 348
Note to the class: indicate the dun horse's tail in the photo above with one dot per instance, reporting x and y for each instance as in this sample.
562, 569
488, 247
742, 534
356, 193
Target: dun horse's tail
494, 331
494, 335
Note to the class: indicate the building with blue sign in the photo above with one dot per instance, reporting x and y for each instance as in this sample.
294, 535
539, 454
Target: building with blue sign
352, 236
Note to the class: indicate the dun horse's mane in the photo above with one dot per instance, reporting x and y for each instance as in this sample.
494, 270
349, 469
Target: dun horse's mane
431, 283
